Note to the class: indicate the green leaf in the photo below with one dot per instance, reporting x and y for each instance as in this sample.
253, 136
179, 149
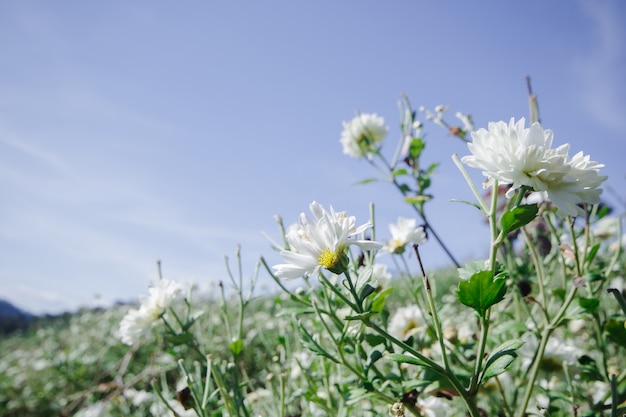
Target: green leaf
589, 368
502, 357
592, 253
236, 346
471, 268
518, 217
455, 200
366, 292
179, 339
398, 172
481, 291
616, 330
367, 181
417, 199
378, 303
416, 147
412, 360
431, 168
374, 339
589, 304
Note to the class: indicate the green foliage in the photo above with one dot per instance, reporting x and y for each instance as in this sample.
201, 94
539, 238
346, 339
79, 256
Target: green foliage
481, 291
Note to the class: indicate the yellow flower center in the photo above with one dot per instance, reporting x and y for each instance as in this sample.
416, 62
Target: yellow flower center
328, 259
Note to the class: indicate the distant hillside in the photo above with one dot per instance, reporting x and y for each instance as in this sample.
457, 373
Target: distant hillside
9, 310
12, 318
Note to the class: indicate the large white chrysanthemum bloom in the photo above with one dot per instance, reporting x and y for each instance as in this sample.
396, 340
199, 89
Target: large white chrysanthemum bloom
137, 322
513, 154
406, 321
402, 233
321, 241
362, 135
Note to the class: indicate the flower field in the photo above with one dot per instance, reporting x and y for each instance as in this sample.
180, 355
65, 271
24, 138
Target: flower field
538, 327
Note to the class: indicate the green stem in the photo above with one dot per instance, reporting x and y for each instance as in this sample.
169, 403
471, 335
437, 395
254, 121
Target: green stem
540, 274
469, 402
545, 336
433, 309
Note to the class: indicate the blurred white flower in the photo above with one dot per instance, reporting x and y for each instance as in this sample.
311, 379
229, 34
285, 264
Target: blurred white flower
406, 321
300, 363
321, 241
466, 119
558, 351
98, 409
606, 228
158, 409
362, 135
137, 322
520, 156
433, 406
402, 233
137, 398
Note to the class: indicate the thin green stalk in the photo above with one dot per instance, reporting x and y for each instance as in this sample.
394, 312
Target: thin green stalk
614, 396
433, 309
282, 395
496, 241
540, 273
545, 336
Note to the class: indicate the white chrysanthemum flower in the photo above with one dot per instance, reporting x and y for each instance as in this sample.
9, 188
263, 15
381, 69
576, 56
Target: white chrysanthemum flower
321, 241
520, 156
362, 135
406, 321
578, 186
137, 322
404, 232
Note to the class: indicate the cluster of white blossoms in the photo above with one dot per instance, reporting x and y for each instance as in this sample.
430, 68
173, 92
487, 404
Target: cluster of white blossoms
362, 135
523, 157
404, 232
321, 241
137, 322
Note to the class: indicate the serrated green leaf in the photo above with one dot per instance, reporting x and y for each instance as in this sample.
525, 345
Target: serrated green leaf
518, 217
501, 358
481, 291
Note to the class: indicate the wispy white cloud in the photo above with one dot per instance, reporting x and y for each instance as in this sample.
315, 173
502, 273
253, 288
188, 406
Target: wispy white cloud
600, 69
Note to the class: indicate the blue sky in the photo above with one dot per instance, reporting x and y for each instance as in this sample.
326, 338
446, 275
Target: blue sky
146, 130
